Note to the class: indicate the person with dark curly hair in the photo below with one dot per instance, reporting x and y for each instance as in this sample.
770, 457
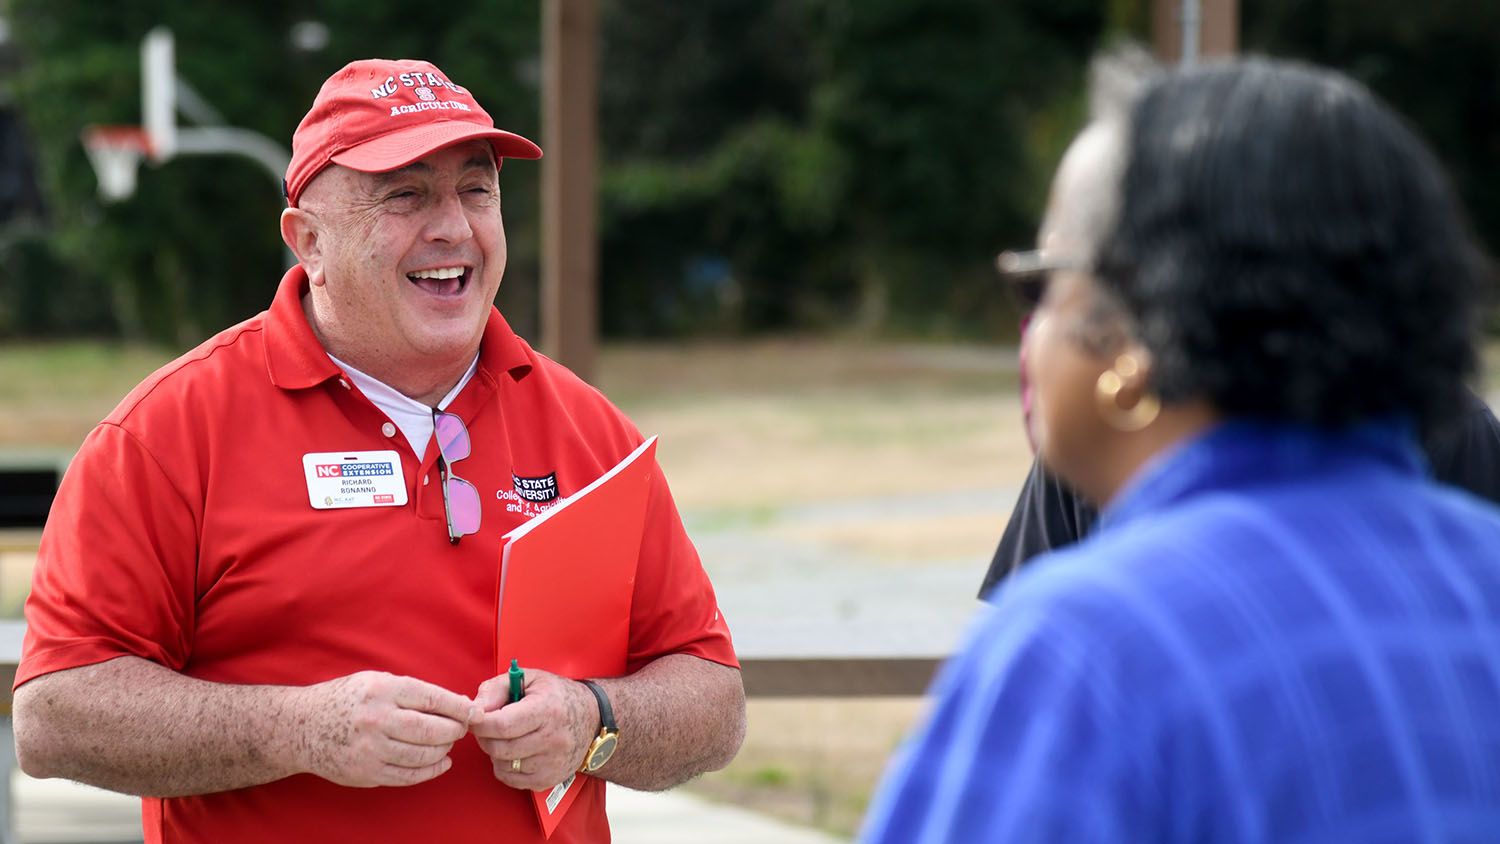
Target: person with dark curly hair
1259, 288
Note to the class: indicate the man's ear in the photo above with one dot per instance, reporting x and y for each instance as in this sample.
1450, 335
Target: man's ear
300, 232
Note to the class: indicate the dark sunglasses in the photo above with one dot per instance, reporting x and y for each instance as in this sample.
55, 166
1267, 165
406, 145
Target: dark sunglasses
460, 498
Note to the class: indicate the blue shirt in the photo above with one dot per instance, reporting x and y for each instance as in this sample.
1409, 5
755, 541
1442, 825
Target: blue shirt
1277, 634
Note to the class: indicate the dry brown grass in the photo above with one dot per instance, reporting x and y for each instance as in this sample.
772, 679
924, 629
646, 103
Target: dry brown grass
15, 581
814, 761
52, 394
795, 422
903, 540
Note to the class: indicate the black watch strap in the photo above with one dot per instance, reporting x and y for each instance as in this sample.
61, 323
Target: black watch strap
606, 712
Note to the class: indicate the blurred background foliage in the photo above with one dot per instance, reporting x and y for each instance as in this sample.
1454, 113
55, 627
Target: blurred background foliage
844, 166
197, 248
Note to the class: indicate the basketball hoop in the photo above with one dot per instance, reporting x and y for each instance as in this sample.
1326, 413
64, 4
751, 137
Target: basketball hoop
116, 152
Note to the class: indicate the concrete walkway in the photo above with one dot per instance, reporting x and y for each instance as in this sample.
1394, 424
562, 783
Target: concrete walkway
674, 817
62, 812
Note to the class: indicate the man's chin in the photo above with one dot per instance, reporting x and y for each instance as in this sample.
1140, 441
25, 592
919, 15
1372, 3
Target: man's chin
460, 339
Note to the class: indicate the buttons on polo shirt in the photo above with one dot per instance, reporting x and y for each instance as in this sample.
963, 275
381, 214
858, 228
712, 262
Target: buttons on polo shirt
344, 382
425, 479
388, 429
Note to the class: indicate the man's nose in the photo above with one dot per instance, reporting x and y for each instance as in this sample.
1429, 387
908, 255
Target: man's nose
449, 222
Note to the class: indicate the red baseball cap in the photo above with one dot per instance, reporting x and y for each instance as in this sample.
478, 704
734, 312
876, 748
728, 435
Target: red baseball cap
381, 114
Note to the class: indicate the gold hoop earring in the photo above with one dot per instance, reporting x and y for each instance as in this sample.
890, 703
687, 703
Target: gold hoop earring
1107, 397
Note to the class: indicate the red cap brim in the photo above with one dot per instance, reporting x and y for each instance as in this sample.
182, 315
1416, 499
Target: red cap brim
402, 147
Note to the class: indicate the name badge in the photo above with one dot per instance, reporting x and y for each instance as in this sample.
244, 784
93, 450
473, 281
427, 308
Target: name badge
340, 479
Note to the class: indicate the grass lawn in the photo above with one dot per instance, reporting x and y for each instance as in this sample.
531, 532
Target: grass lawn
52, 394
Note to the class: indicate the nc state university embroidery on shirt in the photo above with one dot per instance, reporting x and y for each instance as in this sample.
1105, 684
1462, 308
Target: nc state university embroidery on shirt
539, 490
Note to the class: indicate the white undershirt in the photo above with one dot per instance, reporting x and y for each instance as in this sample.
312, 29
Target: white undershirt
411, 416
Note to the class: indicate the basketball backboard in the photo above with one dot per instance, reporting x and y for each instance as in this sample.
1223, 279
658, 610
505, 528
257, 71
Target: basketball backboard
159, 93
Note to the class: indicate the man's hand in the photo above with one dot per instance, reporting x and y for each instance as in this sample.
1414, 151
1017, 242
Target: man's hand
373, 728
548, 730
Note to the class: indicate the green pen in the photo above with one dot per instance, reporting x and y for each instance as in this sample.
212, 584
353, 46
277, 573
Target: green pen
517, 678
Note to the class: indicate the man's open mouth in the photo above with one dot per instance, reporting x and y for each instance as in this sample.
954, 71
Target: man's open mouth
444, 281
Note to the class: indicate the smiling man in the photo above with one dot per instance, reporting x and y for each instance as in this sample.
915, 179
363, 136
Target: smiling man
268, 581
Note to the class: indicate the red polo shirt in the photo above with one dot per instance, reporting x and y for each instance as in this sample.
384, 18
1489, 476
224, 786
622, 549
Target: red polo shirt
183, 534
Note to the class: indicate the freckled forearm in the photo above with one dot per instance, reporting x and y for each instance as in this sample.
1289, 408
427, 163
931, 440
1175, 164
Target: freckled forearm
133, 726
679, 717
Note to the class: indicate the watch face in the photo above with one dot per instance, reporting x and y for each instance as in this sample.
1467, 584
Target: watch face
604, 749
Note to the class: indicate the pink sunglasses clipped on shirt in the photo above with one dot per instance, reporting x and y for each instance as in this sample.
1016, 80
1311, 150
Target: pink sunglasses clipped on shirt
460, 498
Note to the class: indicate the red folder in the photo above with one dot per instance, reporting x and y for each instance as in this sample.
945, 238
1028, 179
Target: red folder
566, 581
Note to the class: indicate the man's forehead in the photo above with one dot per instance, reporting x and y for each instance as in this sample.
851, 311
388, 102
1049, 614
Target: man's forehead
336, 181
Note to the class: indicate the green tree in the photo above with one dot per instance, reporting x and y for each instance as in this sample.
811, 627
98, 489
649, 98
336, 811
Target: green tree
787, 163
717, 196
945, 110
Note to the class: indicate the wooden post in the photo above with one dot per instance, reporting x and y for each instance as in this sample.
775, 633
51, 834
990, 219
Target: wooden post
570, 240
1218, 31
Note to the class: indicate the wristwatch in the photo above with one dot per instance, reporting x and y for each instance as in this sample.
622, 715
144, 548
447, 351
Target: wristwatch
608, 739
